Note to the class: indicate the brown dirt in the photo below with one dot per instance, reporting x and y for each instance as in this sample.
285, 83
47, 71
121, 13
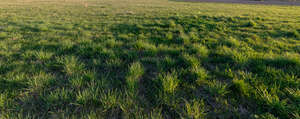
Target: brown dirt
266, 2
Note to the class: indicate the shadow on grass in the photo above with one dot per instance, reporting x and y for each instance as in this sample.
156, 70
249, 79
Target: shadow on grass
157, 53
11, 85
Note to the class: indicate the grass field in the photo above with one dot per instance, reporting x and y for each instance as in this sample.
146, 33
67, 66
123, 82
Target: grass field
148, 59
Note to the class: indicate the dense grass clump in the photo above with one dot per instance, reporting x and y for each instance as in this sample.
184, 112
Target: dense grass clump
148, 59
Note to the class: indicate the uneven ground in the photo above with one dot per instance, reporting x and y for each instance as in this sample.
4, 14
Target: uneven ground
148, 59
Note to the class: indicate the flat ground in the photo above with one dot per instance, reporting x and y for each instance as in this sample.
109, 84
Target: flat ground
264, 2
148, 59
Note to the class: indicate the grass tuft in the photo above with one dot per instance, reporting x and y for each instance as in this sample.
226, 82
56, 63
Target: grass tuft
169, 82
136, 71
195, 109
3, 35
71, 65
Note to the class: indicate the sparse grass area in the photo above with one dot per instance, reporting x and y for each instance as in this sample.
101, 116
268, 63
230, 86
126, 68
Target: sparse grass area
148, 59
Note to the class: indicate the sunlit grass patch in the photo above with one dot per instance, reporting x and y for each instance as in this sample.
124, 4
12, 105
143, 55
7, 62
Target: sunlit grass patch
42, 80
169, 82
217, 88
136, 71
195, 109
71, 65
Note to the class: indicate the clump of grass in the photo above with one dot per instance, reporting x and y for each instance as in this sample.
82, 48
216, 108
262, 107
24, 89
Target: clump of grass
71, 65
2, 100
167, 92
3, 35
241, 87
148, 48
200, 50
273, 101
232, 42
136, 70
83, 97
229, 73
142, 36
251, 23
195, 109
183, 38
77, 82
193, 36
28, 54
130, 101
58, 97
169, 82
88, 96
41, 80
92, 115
123, 36
265, 116
9, 28
217, 88
87, 78
173, 51
190, 61
82, 34
109, 99
67, 26
42, 28
155, 114
294, 93
113, 63
167, 63
233, 53
169, 36
43, 55
200, 73
112, 43
233, 19
66, 45
293, 33
172, 23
